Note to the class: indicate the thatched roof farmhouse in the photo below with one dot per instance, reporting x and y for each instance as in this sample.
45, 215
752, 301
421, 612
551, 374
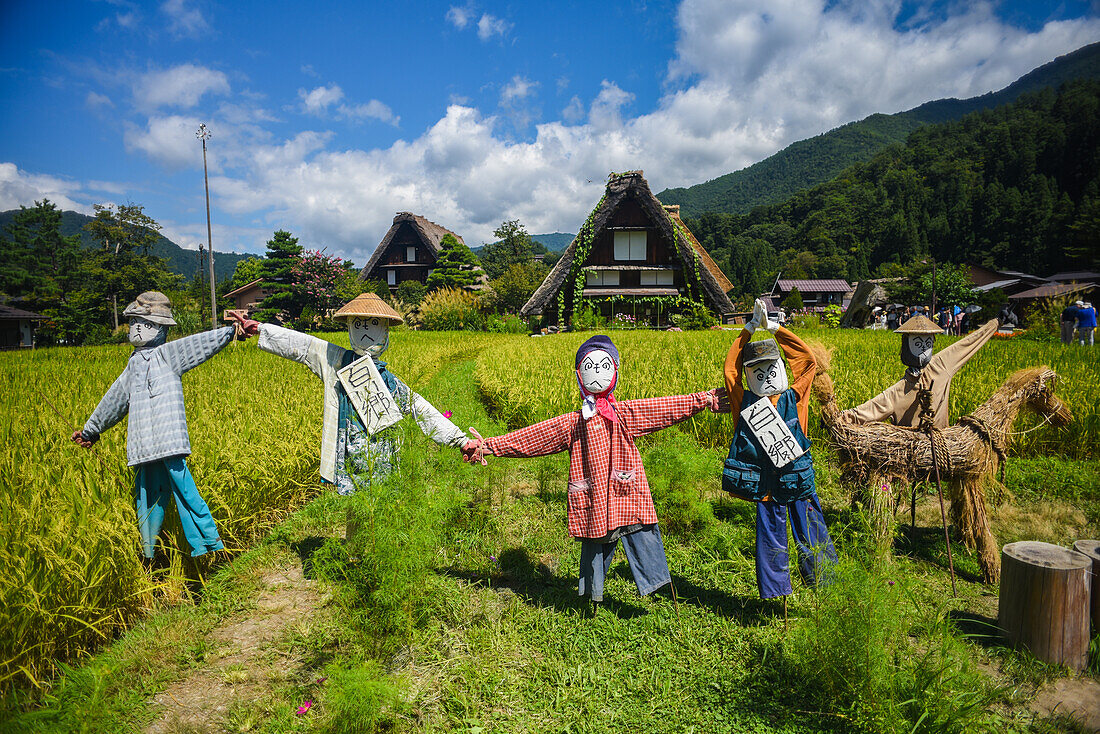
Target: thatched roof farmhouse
408, 251
632, 256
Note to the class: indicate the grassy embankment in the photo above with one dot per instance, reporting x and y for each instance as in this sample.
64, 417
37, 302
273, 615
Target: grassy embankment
462, 614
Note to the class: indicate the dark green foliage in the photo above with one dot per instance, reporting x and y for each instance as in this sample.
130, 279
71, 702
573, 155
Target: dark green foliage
1007, 188
817, 160
411, 292
793, 301
283, 255
455, 267
517, 283
514, 246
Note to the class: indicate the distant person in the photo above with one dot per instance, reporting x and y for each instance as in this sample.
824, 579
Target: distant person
892, 319
1086, 323
1069, 322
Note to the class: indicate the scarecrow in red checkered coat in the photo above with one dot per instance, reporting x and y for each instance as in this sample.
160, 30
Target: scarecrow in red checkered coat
609, 499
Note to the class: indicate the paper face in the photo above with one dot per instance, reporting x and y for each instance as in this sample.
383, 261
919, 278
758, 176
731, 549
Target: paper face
369, 335
597, 372
916, 351
766, 424
369, 395
142, 332
767, 378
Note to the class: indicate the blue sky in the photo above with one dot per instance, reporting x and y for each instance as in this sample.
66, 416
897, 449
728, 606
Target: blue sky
327, 120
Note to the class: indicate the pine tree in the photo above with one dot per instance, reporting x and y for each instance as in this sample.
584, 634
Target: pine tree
455, 267
282, 257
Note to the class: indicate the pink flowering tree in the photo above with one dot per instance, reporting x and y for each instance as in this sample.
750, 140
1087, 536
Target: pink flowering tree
323, 282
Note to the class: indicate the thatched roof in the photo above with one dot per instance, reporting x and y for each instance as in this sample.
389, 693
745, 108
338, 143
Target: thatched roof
430, 233
621, 186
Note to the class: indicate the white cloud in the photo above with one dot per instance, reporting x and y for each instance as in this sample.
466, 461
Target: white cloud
490, 25
517, 90
605, 112
574, 111
179, 86
184, 21
373, 109
169, 140
95, 101
318, 100
460, 17
20, 188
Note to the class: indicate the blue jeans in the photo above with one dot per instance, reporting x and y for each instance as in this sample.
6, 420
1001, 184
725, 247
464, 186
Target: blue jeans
154, 483
645, 552
811, 537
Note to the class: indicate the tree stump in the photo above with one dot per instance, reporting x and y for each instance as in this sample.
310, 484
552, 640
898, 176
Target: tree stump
1044, 601
1091, 548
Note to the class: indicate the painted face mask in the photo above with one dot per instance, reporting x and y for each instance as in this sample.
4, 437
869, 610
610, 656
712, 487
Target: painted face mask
369, 335
767, 378
916, 351
597, 372
145, 333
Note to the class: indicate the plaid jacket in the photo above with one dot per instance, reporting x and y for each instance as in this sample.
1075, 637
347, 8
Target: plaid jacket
150, 391
608, 488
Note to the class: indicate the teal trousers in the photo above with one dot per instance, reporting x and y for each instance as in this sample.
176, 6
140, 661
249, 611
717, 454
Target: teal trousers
156, 481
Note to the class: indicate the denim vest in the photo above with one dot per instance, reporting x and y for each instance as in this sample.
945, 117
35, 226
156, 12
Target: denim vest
749, 473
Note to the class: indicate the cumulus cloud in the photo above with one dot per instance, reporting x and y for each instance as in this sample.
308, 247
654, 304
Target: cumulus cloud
320, 100
184, 20
490, 25
179, 86
460, 16
168, 140
606, 108
20, 188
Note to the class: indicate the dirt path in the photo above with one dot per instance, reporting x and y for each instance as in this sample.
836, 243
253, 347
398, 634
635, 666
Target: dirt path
245, 660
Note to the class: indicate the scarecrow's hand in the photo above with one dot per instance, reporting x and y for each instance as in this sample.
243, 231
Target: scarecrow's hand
720, 400
248, 327
78, 439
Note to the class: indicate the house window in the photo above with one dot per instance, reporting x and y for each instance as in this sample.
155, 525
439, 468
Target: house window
601, 277
656, 277
391, 277
630, 245
410, 254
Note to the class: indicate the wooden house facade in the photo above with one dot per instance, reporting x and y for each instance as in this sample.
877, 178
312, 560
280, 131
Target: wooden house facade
408, 251
633, 256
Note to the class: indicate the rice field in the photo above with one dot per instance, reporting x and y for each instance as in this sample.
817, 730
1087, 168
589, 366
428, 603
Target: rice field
71, 575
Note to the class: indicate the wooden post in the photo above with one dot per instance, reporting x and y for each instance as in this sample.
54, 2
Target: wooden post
1091, 548
1044, 601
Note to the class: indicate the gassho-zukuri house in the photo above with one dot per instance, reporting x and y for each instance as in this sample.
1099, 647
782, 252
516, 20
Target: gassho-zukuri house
633, 256
408, 251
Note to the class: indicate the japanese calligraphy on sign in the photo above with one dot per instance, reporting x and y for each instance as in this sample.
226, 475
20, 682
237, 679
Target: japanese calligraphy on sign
369, 395
773, 434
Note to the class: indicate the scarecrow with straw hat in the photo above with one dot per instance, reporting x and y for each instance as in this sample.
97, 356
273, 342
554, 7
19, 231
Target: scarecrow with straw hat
362, 398
926, 373
608, 493
149, 390
769, 461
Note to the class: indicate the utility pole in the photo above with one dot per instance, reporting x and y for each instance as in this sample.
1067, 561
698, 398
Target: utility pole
202, 282
203, 133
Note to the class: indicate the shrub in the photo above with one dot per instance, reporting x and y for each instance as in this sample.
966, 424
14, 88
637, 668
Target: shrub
696, 316
451, 309
587, 318
832, 316
507, 324
411, 292
805, 321
793, 301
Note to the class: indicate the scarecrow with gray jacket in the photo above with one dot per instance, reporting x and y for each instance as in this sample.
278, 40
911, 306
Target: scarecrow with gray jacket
362, 398
769, 460
149, 390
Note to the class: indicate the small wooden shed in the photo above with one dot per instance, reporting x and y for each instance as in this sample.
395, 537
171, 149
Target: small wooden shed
632, 256
17, 327
408, 251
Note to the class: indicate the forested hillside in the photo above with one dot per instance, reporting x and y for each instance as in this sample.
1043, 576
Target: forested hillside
179, 260
1014, 187
809, 162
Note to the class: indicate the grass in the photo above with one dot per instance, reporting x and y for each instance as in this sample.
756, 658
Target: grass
455, 609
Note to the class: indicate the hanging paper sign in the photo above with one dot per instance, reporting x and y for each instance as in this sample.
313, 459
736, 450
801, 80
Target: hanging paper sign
369, 395
771, 431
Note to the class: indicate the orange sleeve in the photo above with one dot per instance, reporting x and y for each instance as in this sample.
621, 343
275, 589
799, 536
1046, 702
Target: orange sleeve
733, 370
803, 369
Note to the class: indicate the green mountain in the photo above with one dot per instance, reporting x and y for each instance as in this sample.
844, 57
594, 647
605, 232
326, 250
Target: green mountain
555, 242
817, 160
180, 261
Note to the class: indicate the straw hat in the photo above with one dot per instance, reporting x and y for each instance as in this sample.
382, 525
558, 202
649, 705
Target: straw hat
152, 306
368, 304
919, 324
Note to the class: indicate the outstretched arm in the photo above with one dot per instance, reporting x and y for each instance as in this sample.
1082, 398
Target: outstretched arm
649, 415
950, 360
112, 407
541, 439
320, 356
191, 351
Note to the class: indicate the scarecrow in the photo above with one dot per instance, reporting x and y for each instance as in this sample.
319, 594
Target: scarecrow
608, 494
150, 391
926, 373
769, 461
362, 399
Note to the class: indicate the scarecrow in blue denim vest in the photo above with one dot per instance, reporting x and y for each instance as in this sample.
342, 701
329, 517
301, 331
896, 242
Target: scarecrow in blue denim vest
769, 459
150, 391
